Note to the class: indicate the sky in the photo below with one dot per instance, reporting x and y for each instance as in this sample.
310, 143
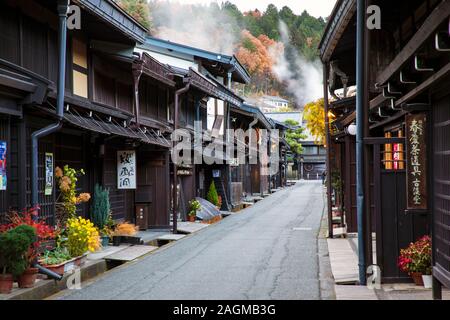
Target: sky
315, 8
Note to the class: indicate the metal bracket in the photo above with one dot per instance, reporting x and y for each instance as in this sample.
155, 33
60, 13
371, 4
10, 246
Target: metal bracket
386, 94
442, 37
391, 90
371, 120
381, 115
419, 68
403, 79
393, 107
378, 86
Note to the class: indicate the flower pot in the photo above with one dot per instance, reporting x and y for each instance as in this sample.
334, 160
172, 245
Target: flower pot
105, 241
57, 268
81, 260
6, 283
28, 278
427, 281
62, 267
417, 278
191, 218
117, 240
131, 240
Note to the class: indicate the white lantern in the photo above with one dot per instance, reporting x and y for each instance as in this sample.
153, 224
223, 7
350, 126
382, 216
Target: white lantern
351, 129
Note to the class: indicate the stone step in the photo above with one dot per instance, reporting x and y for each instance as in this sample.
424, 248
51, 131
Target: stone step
131, 253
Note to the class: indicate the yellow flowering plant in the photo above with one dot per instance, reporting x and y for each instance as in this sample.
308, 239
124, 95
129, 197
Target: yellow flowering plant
68, 199
82, 236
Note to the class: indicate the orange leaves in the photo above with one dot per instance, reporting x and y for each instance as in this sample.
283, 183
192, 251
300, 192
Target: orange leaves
254, 13
256, 53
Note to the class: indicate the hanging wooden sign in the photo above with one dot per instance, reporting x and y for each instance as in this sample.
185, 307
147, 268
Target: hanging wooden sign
126, 169
416, 159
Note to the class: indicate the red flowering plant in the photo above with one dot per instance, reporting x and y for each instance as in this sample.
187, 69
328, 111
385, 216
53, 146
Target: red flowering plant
416, 258
30, 217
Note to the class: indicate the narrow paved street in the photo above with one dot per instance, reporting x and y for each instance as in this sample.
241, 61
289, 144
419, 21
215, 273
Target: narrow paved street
268, 251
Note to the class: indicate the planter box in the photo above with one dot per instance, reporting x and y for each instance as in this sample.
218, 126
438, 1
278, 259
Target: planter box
117, 240
67, 266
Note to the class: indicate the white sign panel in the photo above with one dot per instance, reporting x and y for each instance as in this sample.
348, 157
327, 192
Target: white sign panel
48, 174
126, 169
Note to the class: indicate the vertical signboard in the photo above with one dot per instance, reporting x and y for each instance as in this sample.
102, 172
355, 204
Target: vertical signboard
416, 159
48, 174
3, 150
126, 169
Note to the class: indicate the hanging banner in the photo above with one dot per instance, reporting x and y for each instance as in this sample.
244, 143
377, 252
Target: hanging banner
48, 174
126, 170
3, 150
416, 159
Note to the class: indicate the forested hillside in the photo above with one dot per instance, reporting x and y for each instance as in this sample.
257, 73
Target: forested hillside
278, 47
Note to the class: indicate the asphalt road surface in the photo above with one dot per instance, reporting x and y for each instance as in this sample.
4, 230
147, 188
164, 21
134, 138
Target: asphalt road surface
268, 251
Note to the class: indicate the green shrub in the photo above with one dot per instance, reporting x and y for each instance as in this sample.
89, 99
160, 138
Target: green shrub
212, 195
194, 206
101, 207
14, 245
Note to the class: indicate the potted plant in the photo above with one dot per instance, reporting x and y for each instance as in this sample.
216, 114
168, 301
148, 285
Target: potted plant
56, 259
82, 237
124, 232
101, 213
194, 206
44, 233
14, 244
219, 202
415, 260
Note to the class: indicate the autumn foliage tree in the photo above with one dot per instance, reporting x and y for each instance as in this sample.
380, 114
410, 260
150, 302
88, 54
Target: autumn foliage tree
314, 114
257, 55
138, 9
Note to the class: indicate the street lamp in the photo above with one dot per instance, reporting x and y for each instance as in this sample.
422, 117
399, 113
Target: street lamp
351, 129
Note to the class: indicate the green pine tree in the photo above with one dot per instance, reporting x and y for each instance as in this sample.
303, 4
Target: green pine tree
212, 195
101, 208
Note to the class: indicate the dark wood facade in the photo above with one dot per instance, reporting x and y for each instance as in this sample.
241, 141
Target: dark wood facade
101, 114
407, 67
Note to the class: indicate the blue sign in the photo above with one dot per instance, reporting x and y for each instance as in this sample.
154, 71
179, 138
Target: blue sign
3, 165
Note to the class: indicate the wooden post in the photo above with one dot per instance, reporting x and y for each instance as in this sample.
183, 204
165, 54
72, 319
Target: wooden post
328, 157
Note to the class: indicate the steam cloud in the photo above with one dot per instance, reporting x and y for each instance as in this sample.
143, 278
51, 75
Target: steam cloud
204, 27
195, 25
302, 78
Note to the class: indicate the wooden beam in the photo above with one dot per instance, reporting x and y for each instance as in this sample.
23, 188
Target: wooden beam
424, 85
388, 120
377, 101
349, 119
383, 140
439, 14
